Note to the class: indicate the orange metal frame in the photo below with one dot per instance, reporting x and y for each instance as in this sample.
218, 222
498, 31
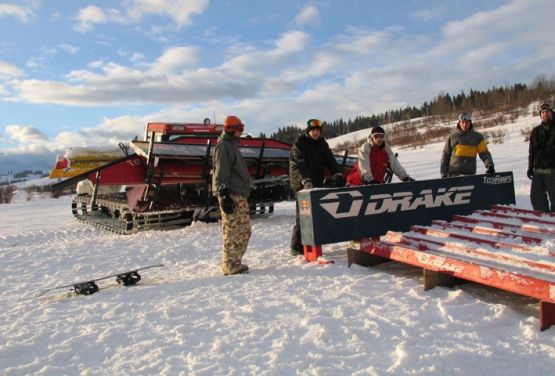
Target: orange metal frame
486, 258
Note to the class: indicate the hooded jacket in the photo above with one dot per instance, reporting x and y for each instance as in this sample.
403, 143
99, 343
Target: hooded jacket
366, 160
460, 150
307, 160
542, 145
230, 169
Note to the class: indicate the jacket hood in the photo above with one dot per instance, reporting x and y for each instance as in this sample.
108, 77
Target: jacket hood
371, 142
228, 137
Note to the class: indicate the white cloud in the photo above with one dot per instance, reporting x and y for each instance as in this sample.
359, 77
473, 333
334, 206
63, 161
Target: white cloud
136, 57
36, 63
172, 78
174, 60
255, 63
318, 65
32, 150
308, 15
42, 59
25, 134
68, 139
96, 64
70, 49
9, 70
55, 16
510, 23
118, 84
367, 42
430, 14
498, 42
17, 11
180, 11
290, 42
91, 15
111, 131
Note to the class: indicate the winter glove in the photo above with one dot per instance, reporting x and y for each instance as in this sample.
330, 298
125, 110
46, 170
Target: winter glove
226, 203
490, 170
408, 178
329, 183
308, 184
530, 173
373, 181
339, 179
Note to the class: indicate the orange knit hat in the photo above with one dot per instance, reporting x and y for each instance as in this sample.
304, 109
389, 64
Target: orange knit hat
232, 124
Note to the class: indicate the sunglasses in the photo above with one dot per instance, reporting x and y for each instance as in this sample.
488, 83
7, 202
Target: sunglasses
379, 136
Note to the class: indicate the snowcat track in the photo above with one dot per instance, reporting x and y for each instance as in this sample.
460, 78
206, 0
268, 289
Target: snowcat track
112, 214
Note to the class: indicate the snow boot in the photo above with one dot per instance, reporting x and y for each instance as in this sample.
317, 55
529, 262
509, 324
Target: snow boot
235, 269
296, 253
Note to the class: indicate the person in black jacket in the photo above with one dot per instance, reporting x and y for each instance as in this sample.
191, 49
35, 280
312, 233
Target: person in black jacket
309, 157
541, 162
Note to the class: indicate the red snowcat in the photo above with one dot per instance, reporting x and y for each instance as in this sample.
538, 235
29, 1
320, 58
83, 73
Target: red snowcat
164, 181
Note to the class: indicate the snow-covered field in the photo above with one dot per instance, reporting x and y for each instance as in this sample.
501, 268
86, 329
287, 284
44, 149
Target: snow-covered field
285, 317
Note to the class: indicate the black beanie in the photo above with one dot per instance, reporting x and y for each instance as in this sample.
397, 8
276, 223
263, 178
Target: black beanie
377, 130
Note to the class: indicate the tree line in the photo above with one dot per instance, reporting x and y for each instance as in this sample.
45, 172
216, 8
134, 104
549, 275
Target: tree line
444, 106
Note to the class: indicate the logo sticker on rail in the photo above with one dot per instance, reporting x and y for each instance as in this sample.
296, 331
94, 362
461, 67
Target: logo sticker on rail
396, 202
304, 208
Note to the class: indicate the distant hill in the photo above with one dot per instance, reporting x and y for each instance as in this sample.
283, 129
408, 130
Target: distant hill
35, 161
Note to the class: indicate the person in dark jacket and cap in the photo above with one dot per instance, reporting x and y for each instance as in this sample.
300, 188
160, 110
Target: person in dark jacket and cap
461, 148
310, 155
541, 161
231, 183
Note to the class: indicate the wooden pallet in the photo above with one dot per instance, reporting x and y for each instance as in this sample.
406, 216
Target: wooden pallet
500, 247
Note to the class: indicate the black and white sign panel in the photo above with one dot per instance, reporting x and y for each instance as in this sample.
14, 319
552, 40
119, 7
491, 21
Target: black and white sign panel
351, 213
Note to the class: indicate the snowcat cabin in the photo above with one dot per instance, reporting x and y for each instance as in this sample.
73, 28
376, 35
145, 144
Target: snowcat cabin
172, 132
264, 157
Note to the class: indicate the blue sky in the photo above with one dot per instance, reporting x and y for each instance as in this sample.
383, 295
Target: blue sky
76, 73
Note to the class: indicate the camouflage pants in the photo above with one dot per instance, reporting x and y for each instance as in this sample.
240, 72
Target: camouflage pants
236, 233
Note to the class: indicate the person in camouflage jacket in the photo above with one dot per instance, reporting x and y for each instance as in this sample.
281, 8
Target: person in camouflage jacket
231, 184
461, 148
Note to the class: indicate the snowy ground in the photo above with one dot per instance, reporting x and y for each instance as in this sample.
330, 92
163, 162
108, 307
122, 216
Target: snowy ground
285, 317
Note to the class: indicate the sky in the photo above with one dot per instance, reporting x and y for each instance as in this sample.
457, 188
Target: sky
87, 73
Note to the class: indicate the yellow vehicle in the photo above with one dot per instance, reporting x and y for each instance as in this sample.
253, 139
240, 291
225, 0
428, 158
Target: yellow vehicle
78, 160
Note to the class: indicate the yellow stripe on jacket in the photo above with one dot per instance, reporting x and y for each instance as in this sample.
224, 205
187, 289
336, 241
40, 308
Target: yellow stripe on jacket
469, 150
